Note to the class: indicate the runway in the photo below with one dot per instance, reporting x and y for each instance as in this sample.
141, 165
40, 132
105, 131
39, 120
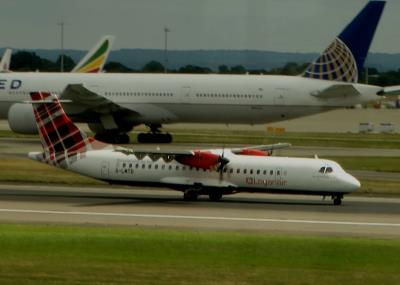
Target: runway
358, 216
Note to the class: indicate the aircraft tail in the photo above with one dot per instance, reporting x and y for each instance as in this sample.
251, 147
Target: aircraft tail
94, 60
345, 56
5, 61
61, 139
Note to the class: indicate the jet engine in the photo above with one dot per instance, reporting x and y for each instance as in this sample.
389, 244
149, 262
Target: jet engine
21, 119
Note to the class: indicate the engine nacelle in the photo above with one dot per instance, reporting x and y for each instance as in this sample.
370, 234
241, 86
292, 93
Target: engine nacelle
21, 119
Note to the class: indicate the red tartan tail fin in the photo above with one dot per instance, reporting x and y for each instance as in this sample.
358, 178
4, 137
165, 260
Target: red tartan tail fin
59, 135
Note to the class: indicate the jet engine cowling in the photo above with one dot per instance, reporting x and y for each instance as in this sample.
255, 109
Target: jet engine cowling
21, 119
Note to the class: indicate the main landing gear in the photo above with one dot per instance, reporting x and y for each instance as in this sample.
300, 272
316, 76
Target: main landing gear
112, 137
191, 194
154, 136
337, 199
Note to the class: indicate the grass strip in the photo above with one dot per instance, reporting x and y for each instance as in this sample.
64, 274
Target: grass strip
99, 255
222, 136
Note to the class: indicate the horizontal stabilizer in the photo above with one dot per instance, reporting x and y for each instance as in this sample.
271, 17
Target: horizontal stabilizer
390, 91
336, 91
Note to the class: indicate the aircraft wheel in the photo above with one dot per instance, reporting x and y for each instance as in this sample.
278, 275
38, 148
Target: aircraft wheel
190, 195
121, 139
215, 196
154, 138
337, 200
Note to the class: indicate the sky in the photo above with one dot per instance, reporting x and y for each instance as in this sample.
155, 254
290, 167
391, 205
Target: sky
276, 25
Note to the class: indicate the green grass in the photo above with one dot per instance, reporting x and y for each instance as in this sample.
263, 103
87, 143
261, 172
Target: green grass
222, 137
370, 163
298, 139
25, 170
99, 255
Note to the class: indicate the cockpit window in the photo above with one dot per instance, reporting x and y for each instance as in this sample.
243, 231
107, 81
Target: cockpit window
326, 169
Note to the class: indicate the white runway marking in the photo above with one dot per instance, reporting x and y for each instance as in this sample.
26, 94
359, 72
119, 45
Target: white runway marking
293, 221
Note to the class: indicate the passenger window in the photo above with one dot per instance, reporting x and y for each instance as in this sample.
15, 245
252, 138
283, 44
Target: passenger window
244, 171
238, 171
149, 166
143, 166
264, 172
177, 167
170, 167
258, 171
163, 166
231, 170
156, 166
271, 172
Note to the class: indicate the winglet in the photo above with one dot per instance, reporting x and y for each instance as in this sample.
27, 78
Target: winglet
94, 60
5, 61
345, 56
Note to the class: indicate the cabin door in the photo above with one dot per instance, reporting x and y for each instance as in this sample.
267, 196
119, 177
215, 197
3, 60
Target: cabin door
105, 168
185, 94
278, 174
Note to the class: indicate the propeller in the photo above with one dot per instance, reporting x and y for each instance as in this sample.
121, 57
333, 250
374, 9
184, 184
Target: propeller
223, 161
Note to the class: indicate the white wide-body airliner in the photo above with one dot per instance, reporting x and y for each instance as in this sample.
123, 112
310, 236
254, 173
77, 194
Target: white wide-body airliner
215, 172
112, 104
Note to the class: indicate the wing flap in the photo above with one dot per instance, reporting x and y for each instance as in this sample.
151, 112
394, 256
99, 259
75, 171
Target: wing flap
82, 100
337, 91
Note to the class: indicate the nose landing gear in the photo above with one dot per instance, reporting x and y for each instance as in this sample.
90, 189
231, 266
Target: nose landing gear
337, 199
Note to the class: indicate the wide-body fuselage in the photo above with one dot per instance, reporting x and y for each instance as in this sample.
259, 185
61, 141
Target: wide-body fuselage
168, 98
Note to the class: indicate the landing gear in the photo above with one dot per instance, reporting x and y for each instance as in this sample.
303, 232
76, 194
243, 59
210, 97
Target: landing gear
337, 200
215, 196
154, 136
112, 137
190, 194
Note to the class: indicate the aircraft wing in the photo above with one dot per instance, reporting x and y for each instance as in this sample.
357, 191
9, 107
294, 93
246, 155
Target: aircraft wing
337, 90
260, 148
203, 159
82, 100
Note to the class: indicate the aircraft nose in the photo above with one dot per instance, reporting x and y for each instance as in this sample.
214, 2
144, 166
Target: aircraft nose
352, 183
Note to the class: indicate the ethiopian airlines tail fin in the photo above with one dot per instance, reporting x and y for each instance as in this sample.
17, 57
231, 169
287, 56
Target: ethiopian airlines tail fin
62, 141
345, 56
95, 59
5, 61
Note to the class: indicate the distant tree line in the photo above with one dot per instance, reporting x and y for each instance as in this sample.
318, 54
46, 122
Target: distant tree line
30, 61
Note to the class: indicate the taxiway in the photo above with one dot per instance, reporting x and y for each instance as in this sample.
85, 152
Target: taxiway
110, 206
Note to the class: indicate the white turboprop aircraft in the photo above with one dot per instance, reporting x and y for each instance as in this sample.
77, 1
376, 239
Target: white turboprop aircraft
200, 172
112, 104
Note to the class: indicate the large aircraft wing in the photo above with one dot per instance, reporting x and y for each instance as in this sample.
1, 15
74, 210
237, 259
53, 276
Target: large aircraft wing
5, 61
82, 100
337, 90
95, 59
